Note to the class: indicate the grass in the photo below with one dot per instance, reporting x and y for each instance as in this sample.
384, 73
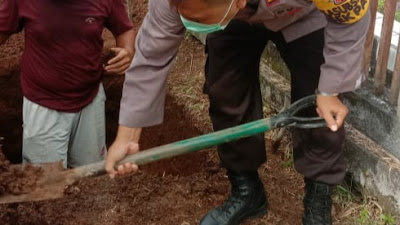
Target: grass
357, 207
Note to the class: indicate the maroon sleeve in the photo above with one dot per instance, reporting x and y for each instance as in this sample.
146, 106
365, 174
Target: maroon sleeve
118, 21
10, 21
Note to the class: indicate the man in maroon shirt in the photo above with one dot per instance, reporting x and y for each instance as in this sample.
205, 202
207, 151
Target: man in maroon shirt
61, 72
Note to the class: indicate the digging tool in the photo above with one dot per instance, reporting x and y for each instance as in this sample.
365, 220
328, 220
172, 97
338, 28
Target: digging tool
54, 180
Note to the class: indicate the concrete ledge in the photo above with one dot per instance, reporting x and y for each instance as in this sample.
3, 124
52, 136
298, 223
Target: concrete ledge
377, 171
275, 88
375, 118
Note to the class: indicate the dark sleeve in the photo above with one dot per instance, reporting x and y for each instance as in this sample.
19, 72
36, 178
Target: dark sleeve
118, 21
10, 20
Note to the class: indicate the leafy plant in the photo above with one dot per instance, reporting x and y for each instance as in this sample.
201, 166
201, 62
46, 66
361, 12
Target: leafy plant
364, 216
387, 219
344, 194
381, 7
289, 162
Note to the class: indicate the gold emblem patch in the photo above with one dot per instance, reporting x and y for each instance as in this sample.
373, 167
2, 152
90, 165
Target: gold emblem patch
343, 11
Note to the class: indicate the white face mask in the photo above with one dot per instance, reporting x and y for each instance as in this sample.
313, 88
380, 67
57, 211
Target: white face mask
206, 28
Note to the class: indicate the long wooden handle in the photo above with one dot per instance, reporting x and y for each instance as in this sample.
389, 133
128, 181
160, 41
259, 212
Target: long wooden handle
183, 147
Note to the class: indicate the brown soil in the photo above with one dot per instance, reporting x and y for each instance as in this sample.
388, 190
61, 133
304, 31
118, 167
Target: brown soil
17, 180
177, 191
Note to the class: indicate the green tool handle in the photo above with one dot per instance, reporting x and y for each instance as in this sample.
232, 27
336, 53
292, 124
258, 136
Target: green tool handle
183, 147
198, 143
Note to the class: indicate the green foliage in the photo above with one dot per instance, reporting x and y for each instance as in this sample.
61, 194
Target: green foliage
364, 216
348, 192
344, 193
289, 162
381, 7
387, 219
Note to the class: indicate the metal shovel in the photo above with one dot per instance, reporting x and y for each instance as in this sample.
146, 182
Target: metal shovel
54, 180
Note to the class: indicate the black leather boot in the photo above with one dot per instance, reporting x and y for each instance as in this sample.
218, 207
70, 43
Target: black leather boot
317, 203
247, 200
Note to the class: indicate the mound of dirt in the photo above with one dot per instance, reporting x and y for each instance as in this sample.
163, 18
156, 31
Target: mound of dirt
17, 179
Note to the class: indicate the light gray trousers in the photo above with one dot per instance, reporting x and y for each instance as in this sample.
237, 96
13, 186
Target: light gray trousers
74, 138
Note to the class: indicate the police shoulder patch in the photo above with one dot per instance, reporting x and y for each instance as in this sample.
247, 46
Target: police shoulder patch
343, 11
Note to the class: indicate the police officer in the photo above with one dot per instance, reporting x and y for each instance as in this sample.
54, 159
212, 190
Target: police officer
321, 41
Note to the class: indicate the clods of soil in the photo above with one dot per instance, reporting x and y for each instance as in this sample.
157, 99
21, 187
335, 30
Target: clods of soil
17, 179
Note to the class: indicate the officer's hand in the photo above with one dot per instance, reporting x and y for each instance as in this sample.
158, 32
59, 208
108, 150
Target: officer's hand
332, 110
118, 151
120, 63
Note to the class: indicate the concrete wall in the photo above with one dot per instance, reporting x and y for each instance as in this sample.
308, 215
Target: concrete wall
375, 118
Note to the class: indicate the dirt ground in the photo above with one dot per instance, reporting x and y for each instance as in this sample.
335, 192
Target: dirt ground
176, 191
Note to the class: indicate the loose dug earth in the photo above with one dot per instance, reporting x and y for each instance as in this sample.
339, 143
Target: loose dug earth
177, 191
17, 180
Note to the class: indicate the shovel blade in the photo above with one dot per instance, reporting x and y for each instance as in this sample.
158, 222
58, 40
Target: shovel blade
50, 184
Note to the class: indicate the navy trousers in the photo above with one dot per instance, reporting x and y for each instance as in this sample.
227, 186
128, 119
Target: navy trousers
232, 84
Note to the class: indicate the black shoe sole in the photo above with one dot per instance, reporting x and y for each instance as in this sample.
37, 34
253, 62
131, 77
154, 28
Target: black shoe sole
259, 212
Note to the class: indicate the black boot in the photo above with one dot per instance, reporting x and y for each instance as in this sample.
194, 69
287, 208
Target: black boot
247, 200
317, 203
